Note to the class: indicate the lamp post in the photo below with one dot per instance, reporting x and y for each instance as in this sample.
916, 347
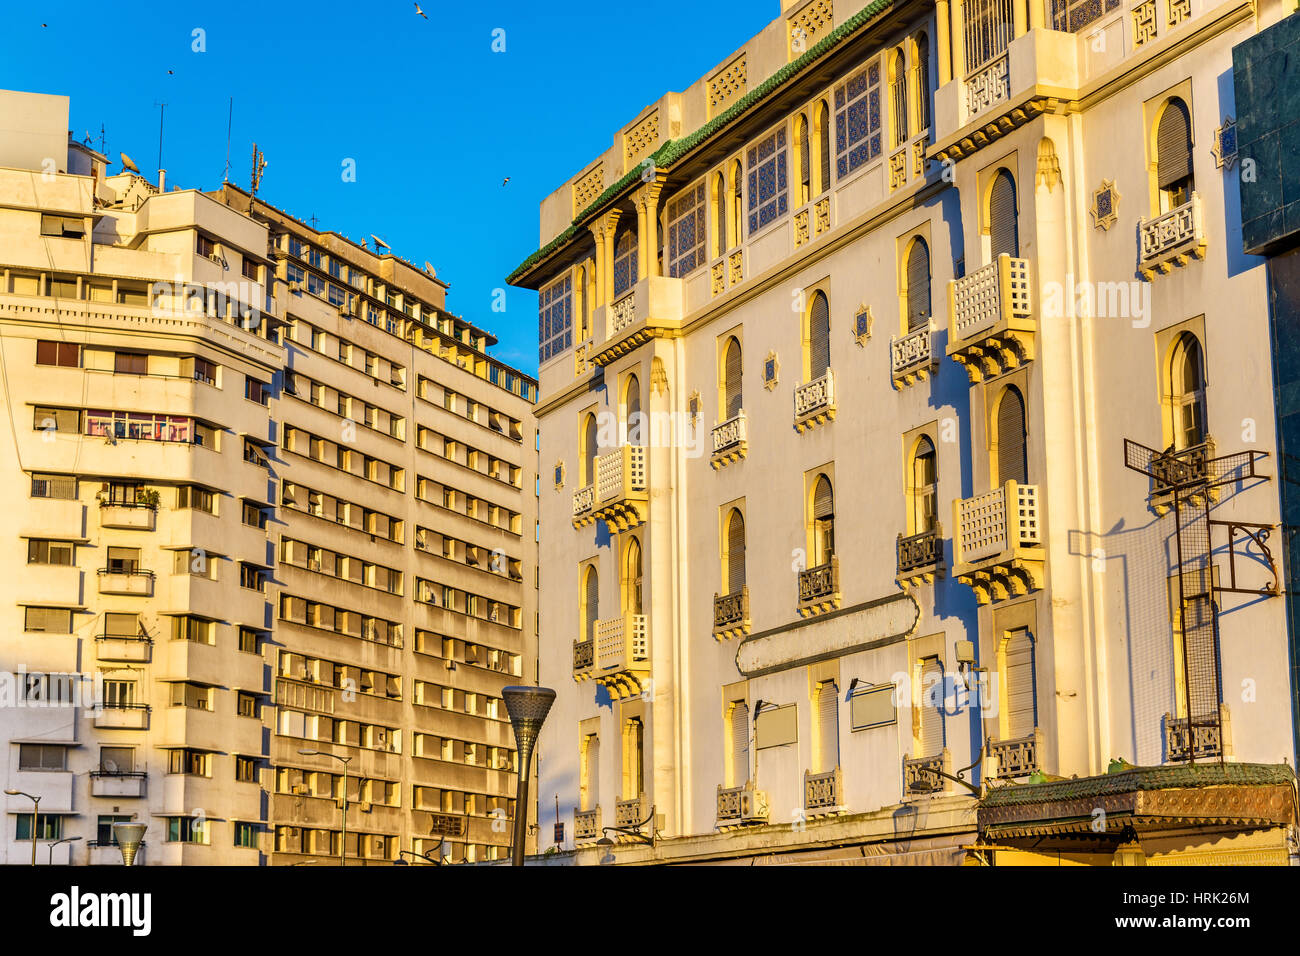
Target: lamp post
343, 836
36, 806
527, 707
128, 837
55, 843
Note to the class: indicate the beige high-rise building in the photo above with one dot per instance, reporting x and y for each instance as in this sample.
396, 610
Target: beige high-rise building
267, 496
909, 475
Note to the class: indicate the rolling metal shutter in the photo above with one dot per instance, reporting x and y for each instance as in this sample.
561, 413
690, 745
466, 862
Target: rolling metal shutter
1012, 464
819, 337
1173, 144
739, 743
1022, 713
634, 411
918, 286
592, 604
732, 379
588, 477
1004, 231
828, 726
931, 700
735, 553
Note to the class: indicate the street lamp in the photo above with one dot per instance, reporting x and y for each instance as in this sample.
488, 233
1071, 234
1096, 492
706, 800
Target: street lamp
343, 836
55, 843
128, 837
527, 707
36, 806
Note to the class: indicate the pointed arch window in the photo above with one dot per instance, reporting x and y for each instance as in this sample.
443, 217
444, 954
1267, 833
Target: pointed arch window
898, 96
587, 474
924, 487
737, 204
634, 419
1013, 459
1004, 226
731, 380
734, 559
819, 336
1174, 155
1187, 393
590, 596
822, 127
918, 285
804, 145
922, 82
823, 521
719, 215
625, 264
632, 578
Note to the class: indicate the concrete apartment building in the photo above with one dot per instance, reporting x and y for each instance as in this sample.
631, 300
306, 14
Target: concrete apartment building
268, 496
908, 453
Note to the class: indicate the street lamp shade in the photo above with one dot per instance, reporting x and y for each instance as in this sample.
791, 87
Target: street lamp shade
129, 836
527, 707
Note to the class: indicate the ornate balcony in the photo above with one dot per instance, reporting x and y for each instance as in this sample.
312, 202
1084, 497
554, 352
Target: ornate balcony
584, 659
990, 324
920, 557
1170, 239
1016, 757
119, 647
628, 813
1197, 738
130, 581
988, 86
622, 314
1188, 471
122, 717
814, 402
998, 547
823, 792
742, 806
584, 500
730, 441
912, 357
731, 614
622, 655
586, 825
113, 783
919, 777
819, 588
729, 804
582, 363
621, 488
134, 516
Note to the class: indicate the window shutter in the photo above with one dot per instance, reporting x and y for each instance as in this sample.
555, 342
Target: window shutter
918, 286
1012, 464
931, 699
739, 744
824, 148
1173, 144
819, 337
735, 553
732, 379
589, 452
720, 215
1004, 231
828, 726
823, 500
1022, 715
805, 159
634, 577
591, 773
593, 603
633, 411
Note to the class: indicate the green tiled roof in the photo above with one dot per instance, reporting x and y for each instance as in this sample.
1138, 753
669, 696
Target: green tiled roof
674, 149
1142, 778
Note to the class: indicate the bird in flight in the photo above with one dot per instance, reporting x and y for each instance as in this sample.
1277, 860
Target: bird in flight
421, 12
171, 72
506, 180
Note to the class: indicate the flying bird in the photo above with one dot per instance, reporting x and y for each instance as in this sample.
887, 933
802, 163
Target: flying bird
506, 180
171, 72
128, 163
379, 242
420, 12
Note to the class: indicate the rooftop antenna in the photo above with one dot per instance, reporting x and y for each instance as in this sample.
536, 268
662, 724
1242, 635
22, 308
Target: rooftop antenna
255, 180
162, 110
225, 176
103, 141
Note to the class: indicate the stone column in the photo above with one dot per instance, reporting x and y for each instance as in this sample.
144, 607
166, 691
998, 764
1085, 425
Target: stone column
1036, 15
1018, 26
958, 40
647, 222
942, 44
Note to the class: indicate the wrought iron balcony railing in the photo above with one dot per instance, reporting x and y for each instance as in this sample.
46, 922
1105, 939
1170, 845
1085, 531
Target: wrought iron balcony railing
823, 792
920, 556
919, 776
731, 614
584, 659
1016, 757
819, 588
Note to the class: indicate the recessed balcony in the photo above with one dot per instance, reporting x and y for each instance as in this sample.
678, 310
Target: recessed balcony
814, 402
127, 580
998, 548
136, 649
819, 588
912, 357
823, 792
622, 655
1171, 239
112, 783
920, 557
135, 516
731, 614
584, 659
921, 774
586, 825
990, 324
1016, 757
621, 488
651, 308
730, 441
122, 717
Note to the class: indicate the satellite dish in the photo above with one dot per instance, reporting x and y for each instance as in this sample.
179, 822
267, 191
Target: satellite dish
128, 163
379, 242
110, 766
428, 267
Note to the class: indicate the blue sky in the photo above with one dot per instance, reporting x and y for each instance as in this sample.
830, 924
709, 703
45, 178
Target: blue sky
434, 119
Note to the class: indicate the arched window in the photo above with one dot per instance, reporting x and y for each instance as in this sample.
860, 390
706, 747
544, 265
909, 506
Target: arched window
1004, 228
632, 410
739, 719
1187, 392
719, 215
930, 700
828, 727
737, 204
1013, 460
924, 478
1174, 155
898, 95
822, 123
823, 521
922, 82
633, 757
734, 559
589, 783
1018, 681
590, 602
805, 158
632, 578
731, 380
625, 264
587, 474
819, 336
918, 285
